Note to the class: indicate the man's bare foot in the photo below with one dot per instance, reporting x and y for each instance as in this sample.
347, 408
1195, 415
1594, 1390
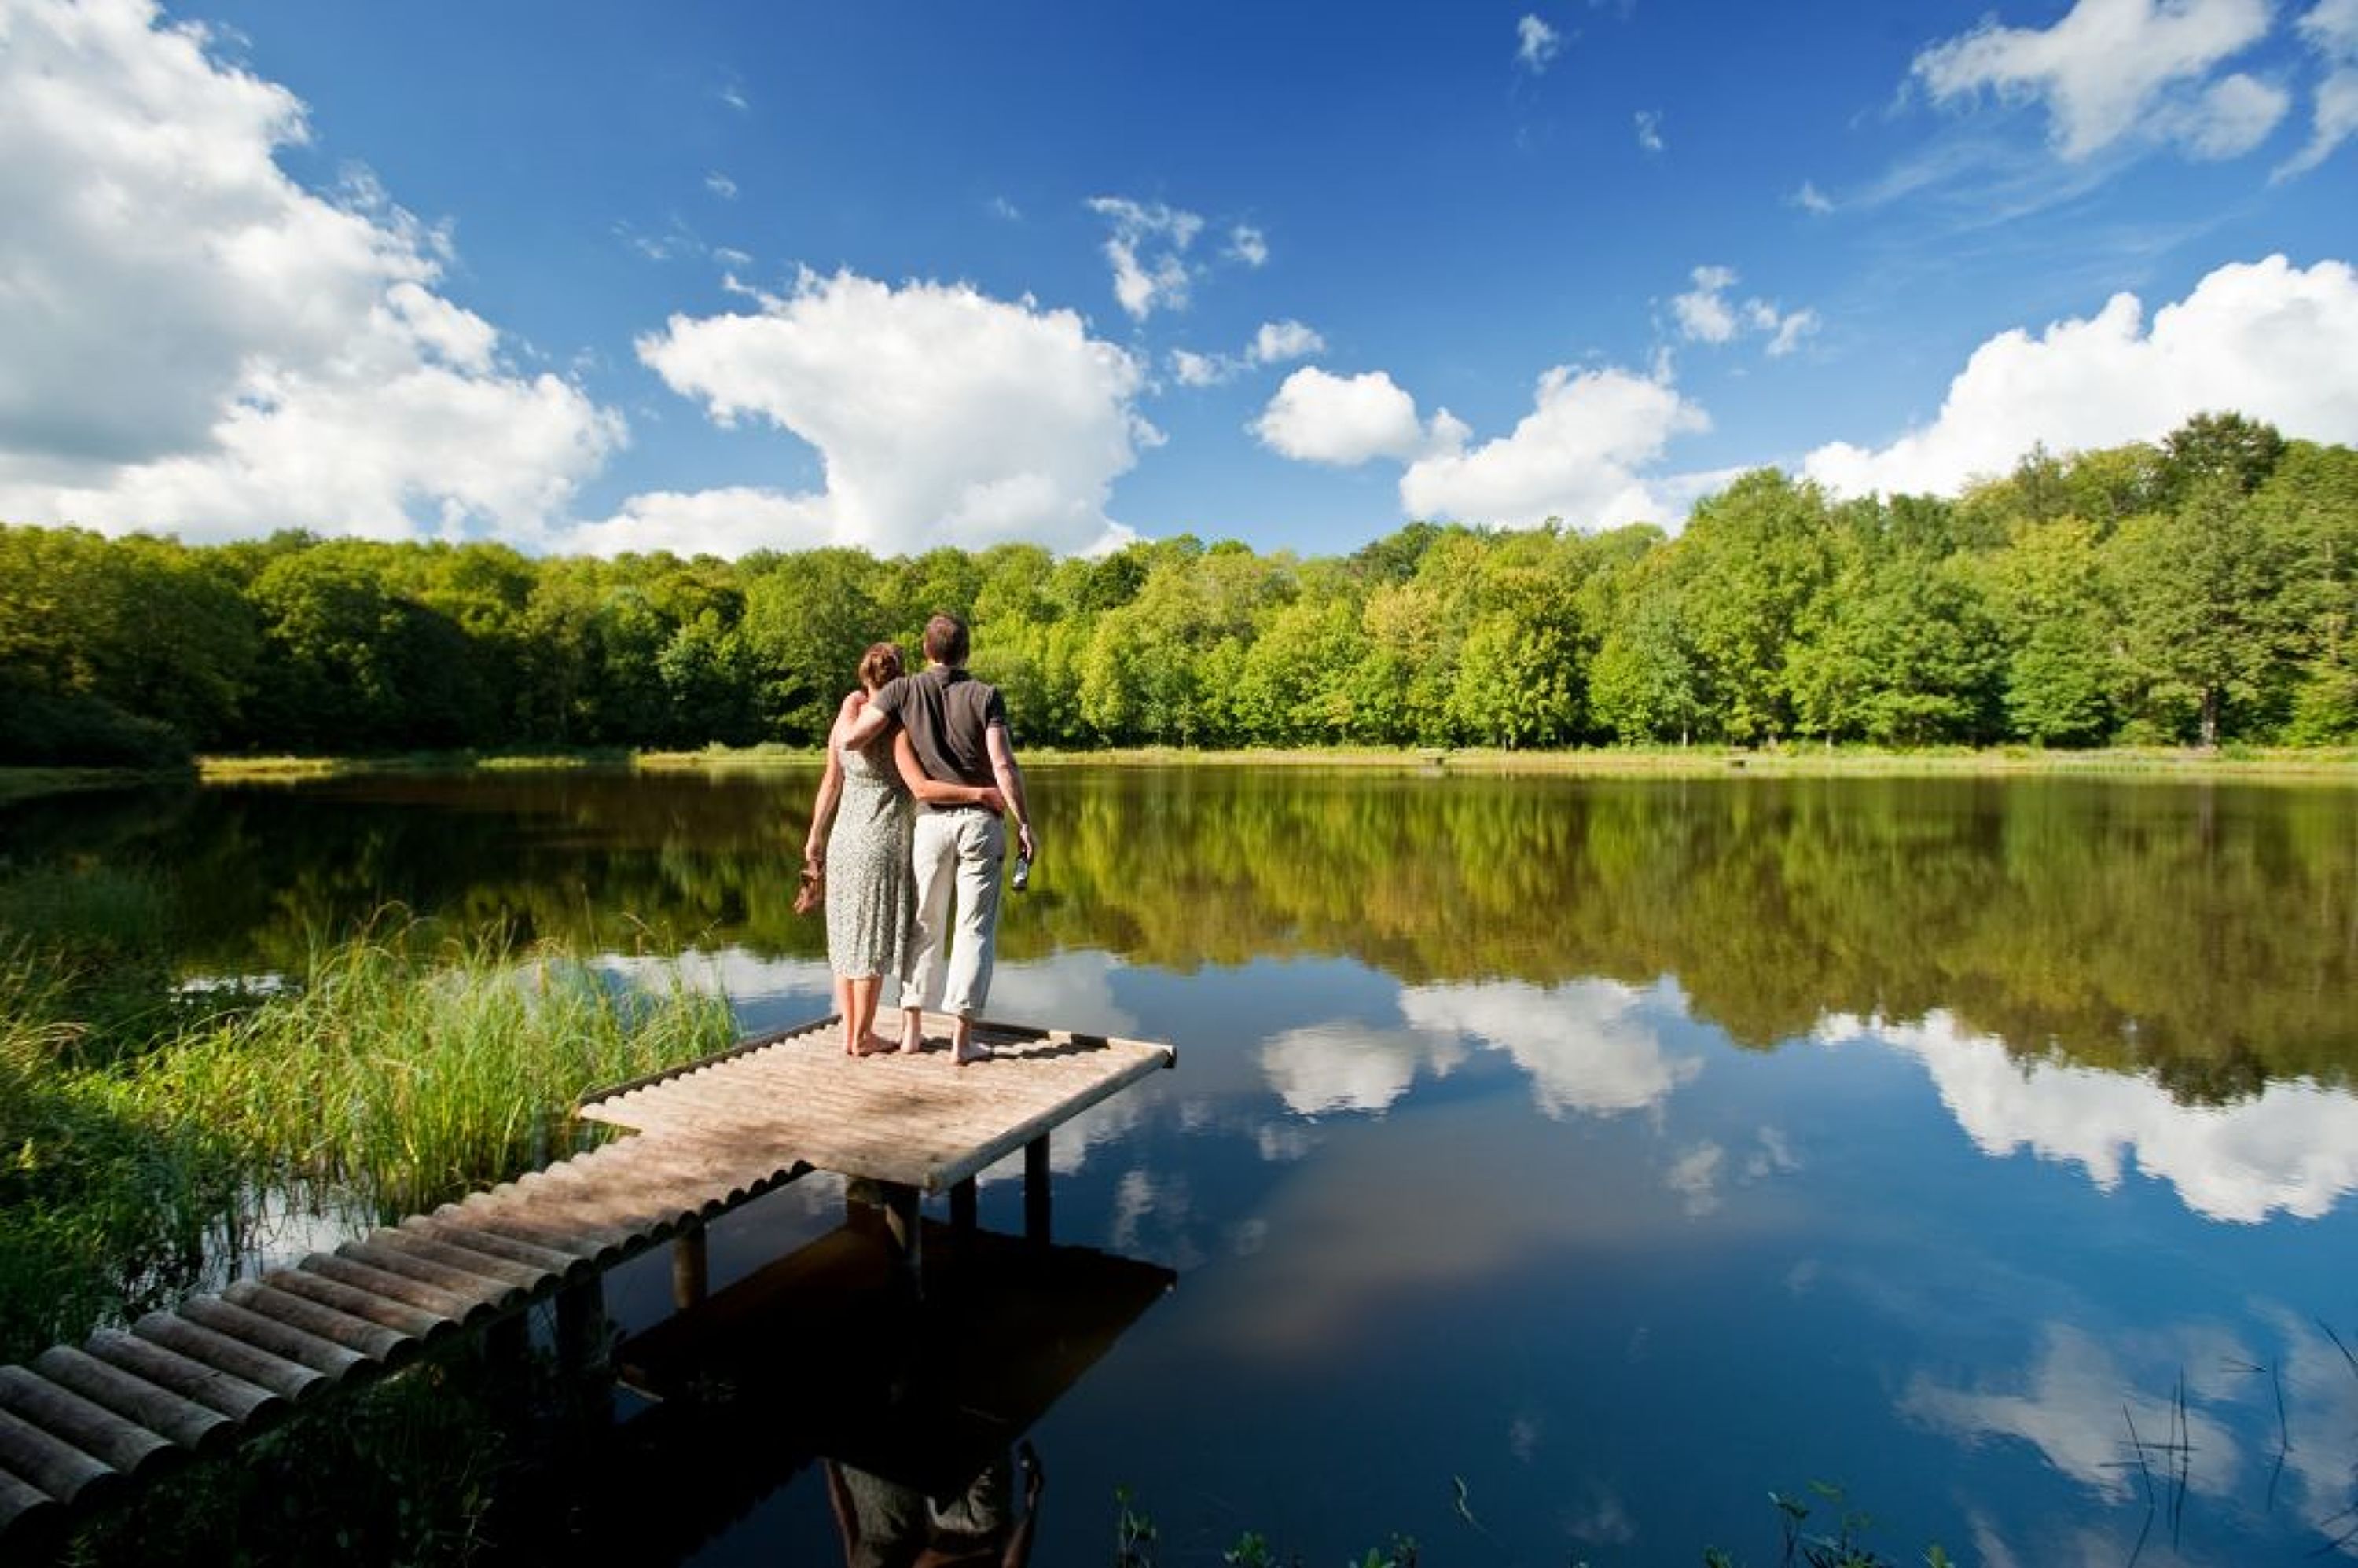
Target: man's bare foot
964, 1050
913, 1035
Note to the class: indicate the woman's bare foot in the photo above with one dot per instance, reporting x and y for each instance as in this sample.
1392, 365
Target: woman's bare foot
874, 1045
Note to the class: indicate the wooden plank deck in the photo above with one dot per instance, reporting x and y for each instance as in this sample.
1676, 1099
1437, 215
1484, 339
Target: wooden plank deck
918, 1121
79, 1424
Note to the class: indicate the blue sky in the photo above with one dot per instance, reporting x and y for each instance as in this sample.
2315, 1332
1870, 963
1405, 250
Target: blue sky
607, 277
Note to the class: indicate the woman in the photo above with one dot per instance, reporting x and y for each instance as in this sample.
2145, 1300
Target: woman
859, 835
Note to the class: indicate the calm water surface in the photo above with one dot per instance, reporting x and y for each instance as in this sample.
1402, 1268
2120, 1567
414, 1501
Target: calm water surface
1555, 1168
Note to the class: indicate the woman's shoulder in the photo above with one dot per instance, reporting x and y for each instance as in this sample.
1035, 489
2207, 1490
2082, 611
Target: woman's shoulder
845, 714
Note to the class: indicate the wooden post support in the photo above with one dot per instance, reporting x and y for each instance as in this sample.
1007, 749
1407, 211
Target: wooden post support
507, 1366
581, 1325
962, 1207
1035, 1191
584, 1354
901, 1220
689, 1272
508, 1340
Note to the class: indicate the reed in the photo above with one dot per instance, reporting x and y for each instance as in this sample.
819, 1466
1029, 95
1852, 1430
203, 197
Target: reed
82, 948
405, 1072
399, 1070
103, 1213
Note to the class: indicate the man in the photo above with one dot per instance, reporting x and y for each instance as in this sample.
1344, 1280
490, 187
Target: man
958, 726
886, 1524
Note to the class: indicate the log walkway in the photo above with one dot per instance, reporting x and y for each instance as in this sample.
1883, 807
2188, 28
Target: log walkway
81, 1424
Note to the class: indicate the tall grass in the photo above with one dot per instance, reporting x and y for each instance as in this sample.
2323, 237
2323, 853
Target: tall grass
103, 1212
403, 1072
82, 956
398, 1071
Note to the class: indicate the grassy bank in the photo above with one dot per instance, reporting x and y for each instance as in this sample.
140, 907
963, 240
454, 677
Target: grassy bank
1664, 762
150, 1128
23, 783
1612, 762
263, 769
402, 1072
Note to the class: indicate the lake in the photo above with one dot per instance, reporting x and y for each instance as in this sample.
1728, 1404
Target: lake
1555, 1168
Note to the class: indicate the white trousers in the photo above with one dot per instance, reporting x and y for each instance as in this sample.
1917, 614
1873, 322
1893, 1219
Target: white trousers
955, 852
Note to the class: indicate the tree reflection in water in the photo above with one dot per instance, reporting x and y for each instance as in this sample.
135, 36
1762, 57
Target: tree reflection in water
2208, 932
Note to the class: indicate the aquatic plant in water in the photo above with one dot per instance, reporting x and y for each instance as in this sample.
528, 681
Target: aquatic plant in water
395, 1073
402, 1073
102, 1213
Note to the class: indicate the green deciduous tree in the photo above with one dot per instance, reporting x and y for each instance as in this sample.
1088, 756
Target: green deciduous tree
1760, 555
808, 617
2205, 627
2058, 627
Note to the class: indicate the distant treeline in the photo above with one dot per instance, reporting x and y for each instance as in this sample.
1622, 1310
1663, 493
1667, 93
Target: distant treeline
2201, 589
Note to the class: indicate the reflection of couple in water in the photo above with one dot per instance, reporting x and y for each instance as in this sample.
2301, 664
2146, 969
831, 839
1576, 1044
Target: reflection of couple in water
887, 1525
920, 773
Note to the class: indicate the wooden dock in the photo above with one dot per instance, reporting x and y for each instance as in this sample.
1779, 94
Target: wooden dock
79, 1425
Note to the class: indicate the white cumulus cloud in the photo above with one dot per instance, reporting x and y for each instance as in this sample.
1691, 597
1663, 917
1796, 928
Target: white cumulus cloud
1325, 418
1148, 249
2111, 68
1278, 341
1536, 43
942, 416
1202, 369
1248, 245
729, 520
1575, 456
1650, 130
1706, 314
2269, 340
1275, 344
196, 342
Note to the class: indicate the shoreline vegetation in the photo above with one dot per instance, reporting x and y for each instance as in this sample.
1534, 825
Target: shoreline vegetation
2201, 590
1668, 762
2336, 765
163, 1127
167, 1131
1614, 762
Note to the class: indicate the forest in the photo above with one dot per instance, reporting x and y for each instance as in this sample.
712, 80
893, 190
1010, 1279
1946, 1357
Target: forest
2201, 589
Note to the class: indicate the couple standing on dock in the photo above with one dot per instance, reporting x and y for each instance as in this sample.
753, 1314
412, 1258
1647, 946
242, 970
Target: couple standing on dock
909, 823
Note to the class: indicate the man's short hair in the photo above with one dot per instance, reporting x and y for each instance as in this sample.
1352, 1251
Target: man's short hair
946, 639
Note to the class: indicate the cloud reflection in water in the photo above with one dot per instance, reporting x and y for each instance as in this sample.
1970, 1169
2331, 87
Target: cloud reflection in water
1588, 1046
2070, 1407
2076, 1402
2292, 1149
